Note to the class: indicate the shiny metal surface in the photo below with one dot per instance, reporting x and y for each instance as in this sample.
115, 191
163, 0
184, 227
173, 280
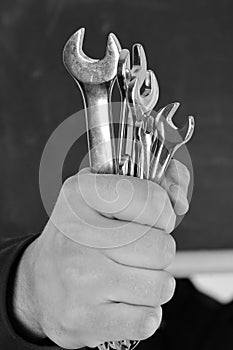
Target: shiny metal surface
126, 123
95, 79
170, 139
142, 105
142, 95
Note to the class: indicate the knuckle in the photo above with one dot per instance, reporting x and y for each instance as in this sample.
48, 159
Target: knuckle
68, 184
159, 196
186, 174
67, 322
92, 343
149, 323
185, 208
183, 172
114, 280
171, 223
170, 249
167, 249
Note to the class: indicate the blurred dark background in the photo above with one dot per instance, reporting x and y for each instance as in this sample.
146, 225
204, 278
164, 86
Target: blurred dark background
188, 45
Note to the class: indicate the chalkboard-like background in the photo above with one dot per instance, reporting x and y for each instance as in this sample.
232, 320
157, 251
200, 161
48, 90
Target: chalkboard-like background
188, 45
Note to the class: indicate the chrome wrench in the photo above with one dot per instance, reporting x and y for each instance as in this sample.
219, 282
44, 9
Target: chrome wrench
95, 79
142, 106
170, 139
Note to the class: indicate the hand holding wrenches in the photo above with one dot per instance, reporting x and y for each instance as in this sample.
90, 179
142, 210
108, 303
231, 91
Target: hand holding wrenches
146, 142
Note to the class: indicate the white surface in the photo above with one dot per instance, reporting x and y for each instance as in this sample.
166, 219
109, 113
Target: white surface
218, 286
210, 271
188, 263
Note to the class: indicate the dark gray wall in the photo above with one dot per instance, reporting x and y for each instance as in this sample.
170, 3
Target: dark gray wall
189, 46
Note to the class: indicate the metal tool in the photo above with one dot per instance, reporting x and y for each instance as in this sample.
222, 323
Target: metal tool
95, 79
147, 139
126, 75
142, 105
125, 137
170, 139
127, 78
149, 135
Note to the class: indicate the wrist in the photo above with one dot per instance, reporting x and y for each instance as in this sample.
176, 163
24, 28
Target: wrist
25, 310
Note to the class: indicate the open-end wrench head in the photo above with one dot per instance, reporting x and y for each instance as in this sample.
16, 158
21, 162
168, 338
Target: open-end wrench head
181, 136
139, 62
172, 137
86, 69
151, 84
167, 113
123, 70
143, 104
186, 131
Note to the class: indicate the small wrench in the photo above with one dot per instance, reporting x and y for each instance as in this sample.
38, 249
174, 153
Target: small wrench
126, 119
170, 139
127, 77
95, 79
143, 104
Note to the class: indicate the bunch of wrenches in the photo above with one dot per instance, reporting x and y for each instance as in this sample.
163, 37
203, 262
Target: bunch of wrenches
147, 140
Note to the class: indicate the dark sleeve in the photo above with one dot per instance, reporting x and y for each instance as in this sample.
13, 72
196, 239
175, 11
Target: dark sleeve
11, 251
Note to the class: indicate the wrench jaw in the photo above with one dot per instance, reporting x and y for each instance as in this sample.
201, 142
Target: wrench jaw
89, 70
151, 92
143, 103
139, 62
187, 130
123, 71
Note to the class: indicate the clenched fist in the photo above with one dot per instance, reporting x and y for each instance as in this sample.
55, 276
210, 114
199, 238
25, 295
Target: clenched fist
97, 271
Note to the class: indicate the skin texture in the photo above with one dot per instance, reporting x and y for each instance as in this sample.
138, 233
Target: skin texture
80, 295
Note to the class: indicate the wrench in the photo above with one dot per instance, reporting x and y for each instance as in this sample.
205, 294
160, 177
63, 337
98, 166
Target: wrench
156, 147
126, 119
170, 139
95, 79
143, 104
127, 77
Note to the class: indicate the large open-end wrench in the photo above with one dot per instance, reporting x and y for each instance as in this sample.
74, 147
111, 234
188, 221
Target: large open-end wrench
95, 79
170, 139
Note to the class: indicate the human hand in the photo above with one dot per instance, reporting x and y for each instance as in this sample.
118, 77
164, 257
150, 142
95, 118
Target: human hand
81, 295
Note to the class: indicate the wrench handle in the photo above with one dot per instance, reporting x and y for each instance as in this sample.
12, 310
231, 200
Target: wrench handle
100, 133
125, 138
